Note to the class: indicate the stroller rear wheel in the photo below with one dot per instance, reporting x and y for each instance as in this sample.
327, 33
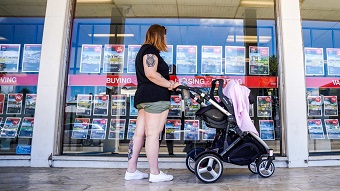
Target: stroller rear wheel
253, 167
261, 168
208, 168
190, 159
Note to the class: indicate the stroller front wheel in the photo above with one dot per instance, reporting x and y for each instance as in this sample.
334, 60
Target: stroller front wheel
263, 170
208, 168
252, 167
190, 159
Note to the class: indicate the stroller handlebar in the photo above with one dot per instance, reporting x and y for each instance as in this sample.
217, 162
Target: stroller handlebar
186, 93
194, 89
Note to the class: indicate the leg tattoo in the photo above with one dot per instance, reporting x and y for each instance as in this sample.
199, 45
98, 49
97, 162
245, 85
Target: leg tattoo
130, 151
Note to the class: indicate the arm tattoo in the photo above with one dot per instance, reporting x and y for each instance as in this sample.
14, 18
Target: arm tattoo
130, 151
150, 60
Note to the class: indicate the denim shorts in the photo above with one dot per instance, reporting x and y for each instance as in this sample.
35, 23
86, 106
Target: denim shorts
154, 107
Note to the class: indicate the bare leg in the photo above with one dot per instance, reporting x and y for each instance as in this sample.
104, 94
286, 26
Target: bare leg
154, 124
137, 142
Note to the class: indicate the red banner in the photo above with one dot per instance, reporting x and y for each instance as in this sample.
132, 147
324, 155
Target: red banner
193, 81
322, 82
19, 79
131, 81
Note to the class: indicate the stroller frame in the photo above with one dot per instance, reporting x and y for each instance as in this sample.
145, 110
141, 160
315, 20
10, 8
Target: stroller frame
209, 161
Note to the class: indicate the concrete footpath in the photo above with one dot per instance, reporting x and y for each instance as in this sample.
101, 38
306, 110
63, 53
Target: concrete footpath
26, 178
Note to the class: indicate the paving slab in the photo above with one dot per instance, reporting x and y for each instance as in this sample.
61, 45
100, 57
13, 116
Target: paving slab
92, 179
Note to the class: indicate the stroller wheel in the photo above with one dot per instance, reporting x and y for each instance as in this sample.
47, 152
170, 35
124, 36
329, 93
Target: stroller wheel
252, 167
190, 159
208, 168
261, 168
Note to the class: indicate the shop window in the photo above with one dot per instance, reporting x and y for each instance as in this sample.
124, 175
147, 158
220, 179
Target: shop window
322, 71
99, 113
21, 29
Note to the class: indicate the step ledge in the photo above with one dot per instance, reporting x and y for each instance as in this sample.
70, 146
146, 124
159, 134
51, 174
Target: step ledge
124, 159
15, 157
325, 157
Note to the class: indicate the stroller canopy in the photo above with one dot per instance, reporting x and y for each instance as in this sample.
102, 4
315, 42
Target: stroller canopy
238, 95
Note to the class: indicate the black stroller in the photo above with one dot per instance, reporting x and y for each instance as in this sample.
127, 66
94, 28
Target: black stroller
230, 144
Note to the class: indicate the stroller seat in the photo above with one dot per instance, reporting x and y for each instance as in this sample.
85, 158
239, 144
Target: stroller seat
213, 117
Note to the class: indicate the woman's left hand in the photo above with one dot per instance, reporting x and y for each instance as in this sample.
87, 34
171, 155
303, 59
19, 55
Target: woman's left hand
173, 85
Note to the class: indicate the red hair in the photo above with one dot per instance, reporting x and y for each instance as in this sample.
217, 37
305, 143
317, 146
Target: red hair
156, 36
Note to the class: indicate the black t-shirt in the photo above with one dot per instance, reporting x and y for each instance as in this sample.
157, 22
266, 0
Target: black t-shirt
148, 91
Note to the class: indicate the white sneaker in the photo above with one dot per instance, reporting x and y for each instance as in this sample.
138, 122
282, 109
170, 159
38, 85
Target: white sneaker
137, 175
161, 177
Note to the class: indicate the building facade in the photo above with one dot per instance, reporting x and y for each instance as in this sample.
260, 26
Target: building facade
68, 80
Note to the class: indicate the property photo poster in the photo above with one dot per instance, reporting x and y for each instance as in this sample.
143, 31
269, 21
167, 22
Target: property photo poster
312, 92
31, 58
191, 106
314, 64
117, 129
84, 104
251, 110
2, 103
258, 60
80, 128
11, 126
1, 125
14, 103
26, 128
173, 129
315, 129
314, 106
90, 60
330, 104
113, 61
98, 128
191, 130
175, 106
132, 53
9, 57
211, 60
118, 105
264, 106
267, 129
235, 60
131, 128
101, 105
333, 61
207, 132
133, 110
186, 59
332, 128
217, 98
168, 57
30, 103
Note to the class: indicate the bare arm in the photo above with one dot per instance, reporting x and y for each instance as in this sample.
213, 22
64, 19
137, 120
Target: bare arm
150, 63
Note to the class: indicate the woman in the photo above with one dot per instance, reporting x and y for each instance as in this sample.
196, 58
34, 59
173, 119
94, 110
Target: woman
152, 99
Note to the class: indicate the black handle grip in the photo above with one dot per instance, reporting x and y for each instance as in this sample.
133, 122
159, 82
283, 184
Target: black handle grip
183, 87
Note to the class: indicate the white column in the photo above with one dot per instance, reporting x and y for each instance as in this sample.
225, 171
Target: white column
292, 82
50, 82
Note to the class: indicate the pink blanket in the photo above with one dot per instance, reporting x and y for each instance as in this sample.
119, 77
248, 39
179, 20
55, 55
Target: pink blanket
239, 97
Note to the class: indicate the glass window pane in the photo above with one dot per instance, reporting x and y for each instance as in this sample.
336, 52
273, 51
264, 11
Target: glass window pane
322, 50
231, 40
21, 31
